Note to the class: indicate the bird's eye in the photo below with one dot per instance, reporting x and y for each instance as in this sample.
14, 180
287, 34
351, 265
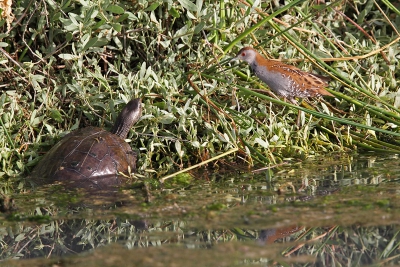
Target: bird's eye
243, 54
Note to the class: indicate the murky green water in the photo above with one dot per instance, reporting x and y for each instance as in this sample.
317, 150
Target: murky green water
334, 210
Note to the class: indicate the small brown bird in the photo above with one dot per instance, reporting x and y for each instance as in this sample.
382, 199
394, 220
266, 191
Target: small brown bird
285, 80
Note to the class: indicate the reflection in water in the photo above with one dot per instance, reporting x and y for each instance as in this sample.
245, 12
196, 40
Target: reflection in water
269, 236
228, 217
362, 245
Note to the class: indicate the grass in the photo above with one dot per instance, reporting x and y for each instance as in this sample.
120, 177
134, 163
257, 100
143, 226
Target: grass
66, 65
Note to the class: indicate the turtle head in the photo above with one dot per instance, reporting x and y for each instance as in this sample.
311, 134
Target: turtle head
127, 118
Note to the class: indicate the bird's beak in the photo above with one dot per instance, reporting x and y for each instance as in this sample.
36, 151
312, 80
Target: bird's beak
234, 59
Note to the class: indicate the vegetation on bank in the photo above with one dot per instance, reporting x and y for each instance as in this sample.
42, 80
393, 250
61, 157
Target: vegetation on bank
69, 64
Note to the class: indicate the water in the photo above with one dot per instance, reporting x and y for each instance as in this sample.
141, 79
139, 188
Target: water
335, 210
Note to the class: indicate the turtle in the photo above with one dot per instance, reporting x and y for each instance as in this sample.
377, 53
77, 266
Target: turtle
92, 158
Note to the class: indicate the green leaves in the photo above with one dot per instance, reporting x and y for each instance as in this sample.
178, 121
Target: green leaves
186, 4
93, 42
115, 9
94, 25
174, 13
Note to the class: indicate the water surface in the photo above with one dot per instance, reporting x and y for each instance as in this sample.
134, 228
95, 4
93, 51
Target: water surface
331, 210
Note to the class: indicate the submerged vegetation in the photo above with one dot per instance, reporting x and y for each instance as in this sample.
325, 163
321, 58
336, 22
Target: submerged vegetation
69, 64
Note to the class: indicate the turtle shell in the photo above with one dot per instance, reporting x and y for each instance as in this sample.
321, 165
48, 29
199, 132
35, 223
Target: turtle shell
89, 158
92, 158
